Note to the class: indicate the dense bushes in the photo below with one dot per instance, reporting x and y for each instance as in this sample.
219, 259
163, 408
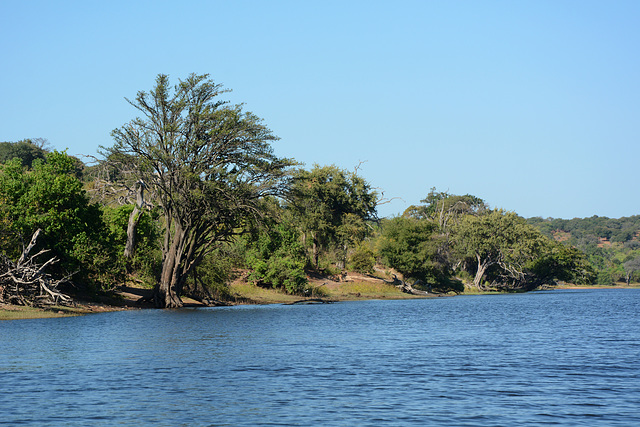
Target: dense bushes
49, 196
277, 258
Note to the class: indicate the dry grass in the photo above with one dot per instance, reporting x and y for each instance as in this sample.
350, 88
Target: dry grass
12, 312
247, 293
364, 290
337, 291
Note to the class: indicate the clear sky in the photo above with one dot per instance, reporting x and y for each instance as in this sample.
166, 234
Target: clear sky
533, 106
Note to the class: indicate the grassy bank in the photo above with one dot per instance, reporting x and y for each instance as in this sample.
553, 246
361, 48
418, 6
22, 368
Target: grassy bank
14, 312
331, 291
356, 288
241, 293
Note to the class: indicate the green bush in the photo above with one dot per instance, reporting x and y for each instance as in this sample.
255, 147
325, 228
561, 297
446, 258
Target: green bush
277, 258
363, 260
49, 196
286, 273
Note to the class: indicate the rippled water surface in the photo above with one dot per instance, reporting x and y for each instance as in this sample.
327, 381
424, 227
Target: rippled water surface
559, 358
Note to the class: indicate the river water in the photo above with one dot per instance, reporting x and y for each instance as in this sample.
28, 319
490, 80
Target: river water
559, 358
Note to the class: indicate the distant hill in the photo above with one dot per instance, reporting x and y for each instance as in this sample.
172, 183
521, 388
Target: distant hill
598, 230
610, 244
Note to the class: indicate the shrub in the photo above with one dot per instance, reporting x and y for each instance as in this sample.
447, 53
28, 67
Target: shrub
363, 260
277, 258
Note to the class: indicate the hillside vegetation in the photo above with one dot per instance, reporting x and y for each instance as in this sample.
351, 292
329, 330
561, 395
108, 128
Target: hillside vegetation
612, 245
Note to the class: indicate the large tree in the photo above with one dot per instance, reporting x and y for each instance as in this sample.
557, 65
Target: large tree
205, 162
413, 246
332, 206
446, 209
630, 266
513, 255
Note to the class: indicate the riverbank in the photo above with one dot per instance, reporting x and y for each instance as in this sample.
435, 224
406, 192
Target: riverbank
352, 287
14, 312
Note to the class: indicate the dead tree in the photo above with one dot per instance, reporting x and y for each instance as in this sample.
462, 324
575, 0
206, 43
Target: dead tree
25, 282
134, 218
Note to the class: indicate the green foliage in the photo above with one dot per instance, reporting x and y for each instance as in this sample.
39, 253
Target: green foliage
286, 273
23, 150
444, 208
603, 240
206, 164
277, 258
631, 266
217, 270
147, 256
332, 206
618, 230
557, 261
50, 197
504, 249
362, 260
412, 247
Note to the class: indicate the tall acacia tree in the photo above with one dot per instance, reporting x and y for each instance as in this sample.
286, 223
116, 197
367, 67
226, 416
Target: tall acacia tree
206, 163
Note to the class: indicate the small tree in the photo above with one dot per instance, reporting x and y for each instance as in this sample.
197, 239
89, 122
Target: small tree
277, 257
630, 267
363, 260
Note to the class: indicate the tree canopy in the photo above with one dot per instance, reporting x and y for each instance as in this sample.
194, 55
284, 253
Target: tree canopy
413, 246
191, 193
24, 150
50, 197
206, 164
332, 206
513, 255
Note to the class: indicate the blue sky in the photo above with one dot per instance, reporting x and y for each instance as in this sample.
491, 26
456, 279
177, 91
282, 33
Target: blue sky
533, 106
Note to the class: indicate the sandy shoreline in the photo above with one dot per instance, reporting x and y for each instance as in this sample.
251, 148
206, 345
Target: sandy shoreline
127, 298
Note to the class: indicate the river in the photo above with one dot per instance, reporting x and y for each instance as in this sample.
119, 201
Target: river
558, 357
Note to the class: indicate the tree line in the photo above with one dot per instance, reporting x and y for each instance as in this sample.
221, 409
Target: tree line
191, 191
612, 245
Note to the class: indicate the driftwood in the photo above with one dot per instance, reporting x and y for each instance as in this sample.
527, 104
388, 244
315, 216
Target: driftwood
310, 301
405, 287
25, 282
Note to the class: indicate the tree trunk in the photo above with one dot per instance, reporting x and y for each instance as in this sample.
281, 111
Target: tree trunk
482, 268
134, 218
342, 262
167, 292
316, 250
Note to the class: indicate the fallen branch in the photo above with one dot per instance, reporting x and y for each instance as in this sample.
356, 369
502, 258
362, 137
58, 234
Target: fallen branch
405, 287
311, 301
26, 283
